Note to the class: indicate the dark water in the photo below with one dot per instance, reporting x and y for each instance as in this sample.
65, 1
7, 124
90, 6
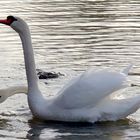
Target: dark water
69, 36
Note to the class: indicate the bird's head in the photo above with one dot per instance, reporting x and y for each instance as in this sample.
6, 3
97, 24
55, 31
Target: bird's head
18, 24
3, 95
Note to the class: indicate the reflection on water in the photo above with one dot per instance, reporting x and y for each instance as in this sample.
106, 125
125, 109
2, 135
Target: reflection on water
68, 37
57, 130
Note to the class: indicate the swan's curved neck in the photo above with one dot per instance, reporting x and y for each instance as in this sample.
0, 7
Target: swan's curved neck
32, 78
16, 90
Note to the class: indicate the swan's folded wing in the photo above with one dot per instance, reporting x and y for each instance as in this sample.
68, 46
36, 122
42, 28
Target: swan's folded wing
89, 88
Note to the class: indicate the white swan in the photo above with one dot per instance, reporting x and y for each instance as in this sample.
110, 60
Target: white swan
85, 98
7, 92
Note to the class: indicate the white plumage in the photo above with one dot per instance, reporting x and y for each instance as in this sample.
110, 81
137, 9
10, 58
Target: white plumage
90, 88
85, 98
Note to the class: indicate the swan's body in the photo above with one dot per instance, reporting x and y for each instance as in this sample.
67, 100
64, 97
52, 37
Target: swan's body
85, 98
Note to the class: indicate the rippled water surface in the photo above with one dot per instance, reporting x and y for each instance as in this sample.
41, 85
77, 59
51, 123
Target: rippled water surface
69, 36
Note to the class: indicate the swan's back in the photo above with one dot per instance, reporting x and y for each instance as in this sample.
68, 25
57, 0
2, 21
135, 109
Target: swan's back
89, 88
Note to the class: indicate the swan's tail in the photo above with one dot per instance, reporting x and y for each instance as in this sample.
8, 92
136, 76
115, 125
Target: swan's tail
127, 69
115, 109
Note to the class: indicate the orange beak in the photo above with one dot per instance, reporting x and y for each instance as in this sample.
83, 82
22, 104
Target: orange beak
6, 22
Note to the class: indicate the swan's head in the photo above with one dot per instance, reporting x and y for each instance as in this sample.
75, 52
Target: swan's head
18, 24
3, 95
